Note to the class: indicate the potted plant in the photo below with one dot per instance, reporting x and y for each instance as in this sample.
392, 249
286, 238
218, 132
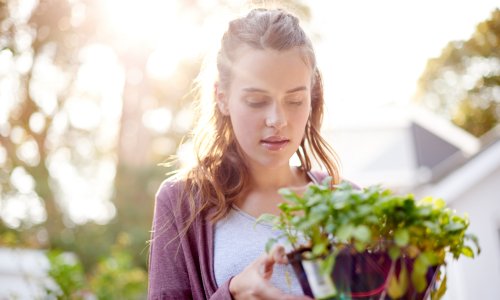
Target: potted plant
369, 243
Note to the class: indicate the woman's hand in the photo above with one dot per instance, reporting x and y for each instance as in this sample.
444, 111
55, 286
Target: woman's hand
253, 281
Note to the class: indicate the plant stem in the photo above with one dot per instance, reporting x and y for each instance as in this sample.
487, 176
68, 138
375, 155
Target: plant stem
391, 273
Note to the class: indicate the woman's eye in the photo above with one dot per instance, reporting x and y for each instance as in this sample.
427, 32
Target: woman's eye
297, 101
256, 101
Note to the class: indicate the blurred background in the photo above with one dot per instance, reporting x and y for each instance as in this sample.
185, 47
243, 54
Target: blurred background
95, 95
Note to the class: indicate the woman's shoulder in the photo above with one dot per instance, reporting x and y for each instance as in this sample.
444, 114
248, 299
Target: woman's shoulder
170, 192
175, 194
169, 187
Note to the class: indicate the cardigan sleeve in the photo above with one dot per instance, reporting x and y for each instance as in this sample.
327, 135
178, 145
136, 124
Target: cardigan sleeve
168, 275
222, 293
175, 270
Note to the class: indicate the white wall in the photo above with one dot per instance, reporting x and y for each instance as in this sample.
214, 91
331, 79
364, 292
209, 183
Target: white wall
23, 274
479, 278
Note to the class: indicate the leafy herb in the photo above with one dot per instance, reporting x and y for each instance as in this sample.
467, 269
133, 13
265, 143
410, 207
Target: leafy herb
373, 219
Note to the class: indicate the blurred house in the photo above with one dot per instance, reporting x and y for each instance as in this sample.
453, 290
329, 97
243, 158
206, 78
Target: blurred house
413, 151
474, 188
400, 147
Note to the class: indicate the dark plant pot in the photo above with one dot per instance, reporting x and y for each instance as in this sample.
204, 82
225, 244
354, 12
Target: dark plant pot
355, 275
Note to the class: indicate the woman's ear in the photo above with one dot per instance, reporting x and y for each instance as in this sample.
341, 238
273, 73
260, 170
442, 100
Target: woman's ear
221, 98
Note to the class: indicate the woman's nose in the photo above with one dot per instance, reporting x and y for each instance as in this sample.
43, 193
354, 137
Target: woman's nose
276, 117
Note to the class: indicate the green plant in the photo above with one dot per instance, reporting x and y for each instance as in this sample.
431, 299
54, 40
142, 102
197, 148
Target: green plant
116, 277
327, 220
67, 272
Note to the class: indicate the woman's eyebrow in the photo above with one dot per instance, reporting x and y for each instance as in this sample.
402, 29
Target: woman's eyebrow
297, 89
254, 90
257, 90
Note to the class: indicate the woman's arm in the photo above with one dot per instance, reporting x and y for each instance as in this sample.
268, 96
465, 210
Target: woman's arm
173, 271
168, 275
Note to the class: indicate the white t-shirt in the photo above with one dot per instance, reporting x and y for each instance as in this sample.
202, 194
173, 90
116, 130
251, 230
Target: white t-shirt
238, 241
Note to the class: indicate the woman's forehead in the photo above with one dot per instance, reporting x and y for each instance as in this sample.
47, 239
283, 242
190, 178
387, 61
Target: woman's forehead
271, 69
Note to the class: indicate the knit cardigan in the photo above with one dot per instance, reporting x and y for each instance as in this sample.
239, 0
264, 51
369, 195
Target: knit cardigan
181, 267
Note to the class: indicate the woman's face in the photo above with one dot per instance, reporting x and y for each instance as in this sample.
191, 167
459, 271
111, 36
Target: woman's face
268, 102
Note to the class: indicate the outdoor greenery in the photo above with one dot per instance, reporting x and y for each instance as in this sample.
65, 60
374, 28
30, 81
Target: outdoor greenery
463, 83
84, 121
327, 220
114, 277
74, 93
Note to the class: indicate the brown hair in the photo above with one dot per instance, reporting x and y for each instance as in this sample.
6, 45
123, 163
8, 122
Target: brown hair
220, 174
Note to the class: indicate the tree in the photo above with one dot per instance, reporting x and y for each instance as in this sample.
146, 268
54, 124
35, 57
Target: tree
463, 83
42, 50
55, 133
75, 123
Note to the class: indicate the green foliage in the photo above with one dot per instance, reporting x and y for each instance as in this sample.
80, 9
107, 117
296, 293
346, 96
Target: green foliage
115, 276
67, 272
373, 219
461, 84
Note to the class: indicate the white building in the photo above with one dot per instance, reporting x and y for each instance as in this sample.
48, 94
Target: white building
413, 151
23, 274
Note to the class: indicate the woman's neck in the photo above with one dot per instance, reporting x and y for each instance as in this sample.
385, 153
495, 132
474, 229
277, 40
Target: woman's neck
262, 196
272, 179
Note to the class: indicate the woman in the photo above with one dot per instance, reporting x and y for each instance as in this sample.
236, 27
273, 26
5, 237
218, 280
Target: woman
267, 106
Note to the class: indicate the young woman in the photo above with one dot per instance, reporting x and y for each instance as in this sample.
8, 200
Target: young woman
266, 107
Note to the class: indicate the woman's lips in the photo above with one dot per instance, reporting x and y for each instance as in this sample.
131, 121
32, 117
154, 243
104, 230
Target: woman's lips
274, 143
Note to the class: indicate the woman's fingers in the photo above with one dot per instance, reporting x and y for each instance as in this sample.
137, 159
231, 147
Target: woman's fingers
266, 261
278, 254
266, 266
253, 282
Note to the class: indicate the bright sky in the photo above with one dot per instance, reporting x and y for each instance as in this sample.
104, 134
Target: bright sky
373, 52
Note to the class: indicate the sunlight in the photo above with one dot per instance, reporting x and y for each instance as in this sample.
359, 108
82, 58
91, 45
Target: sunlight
87, 198
100, 70
3, 157
158, 119
8, 85
158, 67
22, 209
83, 114
29, 153
48, 80
141, 21
22, 181
171, 32
186, 155
37, 122
184, 120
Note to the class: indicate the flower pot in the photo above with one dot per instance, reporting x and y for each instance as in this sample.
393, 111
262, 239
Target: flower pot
362, 276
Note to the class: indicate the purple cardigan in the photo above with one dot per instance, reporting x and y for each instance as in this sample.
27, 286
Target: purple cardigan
183, 268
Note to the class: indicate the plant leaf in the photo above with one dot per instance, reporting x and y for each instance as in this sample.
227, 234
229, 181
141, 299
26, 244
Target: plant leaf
394, 253
402, 237
398, 286
362, 233
345, 232
319, 249
454, 226
328, 263
475, 240
436, 295
467, 251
